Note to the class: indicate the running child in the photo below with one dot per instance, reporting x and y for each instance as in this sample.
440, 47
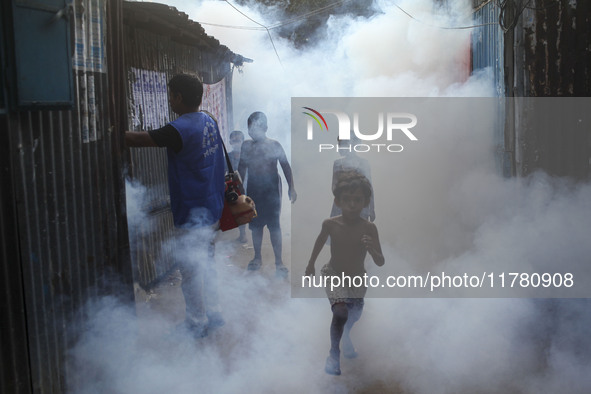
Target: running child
352, 237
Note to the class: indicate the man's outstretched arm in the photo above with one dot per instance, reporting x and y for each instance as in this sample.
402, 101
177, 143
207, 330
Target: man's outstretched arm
139, 139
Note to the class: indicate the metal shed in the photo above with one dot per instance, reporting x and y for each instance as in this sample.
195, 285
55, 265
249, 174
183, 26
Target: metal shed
159, 42
551, 58
66, 97
64, 235
487, 53
538, 49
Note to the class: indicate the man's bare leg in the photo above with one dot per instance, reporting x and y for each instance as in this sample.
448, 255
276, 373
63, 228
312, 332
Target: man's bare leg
277, 244
257, 241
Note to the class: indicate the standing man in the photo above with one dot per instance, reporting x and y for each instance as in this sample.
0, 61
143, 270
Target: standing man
258, 166
196, 184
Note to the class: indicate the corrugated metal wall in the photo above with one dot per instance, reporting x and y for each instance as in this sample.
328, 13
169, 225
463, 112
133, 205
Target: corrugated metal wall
487, 42
487, 52
543, 51
554, 135
65, 190
552, 59
151, 60
15, 373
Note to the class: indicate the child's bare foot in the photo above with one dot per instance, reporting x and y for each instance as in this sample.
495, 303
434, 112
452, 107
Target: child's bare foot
333, 366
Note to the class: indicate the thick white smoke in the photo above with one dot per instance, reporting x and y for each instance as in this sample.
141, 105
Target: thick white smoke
136, 215
460, 211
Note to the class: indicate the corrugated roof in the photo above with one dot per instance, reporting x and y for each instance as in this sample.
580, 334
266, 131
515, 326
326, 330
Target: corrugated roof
167, 20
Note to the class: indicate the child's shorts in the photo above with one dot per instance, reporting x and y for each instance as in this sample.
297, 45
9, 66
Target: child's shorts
342, 294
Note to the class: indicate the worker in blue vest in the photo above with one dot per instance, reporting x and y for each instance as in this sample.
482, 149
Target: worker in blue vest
196, 169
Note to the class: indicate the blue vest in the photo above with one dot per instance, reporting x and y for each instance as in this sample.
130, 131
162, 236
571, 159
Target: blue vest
196, 173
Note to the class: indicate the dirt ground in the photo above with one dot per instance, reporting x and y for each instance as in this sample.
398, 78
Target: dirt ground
165, 303
166, 297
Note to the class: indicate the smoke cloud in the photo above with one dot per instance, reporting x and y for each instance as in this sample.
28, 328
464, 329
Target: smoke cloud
456, 209
135, 204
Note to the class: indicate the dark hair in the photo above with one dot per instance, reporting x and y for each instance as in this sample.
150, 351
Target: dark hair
257, 117
237, 132
189, 87
351, 180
